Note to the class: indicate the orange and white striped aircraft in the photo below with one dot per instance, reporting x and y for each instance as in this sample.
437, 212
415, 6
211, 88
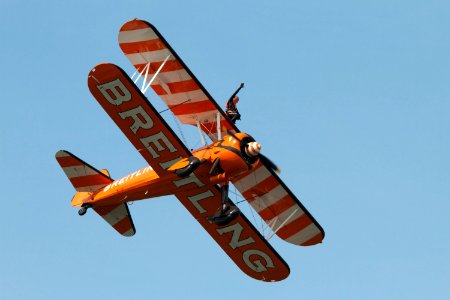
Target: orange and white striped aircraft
198, 178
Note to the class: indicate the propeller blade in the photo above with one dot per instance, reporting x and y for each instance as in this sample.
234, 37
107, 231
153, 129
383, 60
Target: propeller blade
268, 163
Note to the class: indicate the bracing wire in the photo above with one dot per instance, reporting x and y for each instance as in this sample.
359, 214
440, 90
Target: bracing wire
169, 108
183, 138
260, 224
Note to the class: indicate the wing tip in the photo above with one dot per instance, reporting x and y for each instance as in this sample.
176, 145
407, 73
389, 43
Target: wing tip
136, 24
130, 232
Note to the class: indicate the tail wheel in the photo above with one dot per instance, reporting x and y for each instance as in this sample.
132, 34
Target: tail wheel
84, 209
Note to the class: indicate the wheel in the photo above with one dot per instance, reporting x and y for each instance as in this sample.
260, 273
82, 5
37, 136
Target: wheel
223, 218
82, 211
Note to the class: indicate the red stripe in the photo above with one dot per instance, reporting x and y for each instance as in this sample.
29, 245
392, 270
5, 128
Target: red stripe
142, 46
261, 188
123, 225
89, 180
183, 86
193, 107
277, 208
169, 66
177, 87
294, 227
104, 210
68, 161
133, 25
208, 127
159, 90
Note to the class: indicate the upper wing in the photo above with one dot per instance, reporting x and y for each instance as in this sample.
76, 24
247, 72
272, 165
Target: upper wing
177, 86
136, 117
279, 207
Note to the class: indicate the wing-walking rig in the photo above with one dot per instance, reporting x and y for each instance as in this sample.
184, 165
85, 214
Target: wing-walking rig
198, 178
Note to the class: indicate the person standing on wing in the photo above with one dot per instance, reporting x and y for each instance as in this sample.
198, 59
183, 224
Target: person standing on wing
231, 109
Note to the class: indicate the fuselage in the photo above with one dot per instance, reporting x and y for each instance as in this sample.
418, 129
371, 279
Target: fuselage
145, 183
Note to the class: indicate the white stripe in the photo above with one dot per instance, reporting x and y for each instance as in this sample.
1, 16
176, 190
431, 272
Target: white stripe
253, 148
115, 215
194, 96
137, 35
252, 179
269, 198
149, 56
129, 232
304, 235
284, 215
61, 153
77, 171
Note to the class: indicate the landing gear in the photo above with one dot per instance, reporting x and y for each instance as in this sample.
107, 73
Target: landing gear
225, 215
84, 209
227, 212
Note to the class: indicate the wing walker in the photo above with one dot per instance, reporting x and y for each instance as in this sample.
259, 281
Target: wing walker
198, 178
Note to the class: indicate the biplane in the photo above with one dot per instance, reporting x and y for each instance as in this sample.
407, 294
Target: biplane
198, 178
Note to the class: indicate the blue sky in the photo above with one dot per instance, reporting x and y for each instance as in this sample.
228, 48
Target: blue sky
350, 98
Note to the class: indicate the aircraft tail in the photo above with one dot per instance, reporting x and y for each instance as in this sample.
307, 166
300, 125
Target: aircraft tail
86, 180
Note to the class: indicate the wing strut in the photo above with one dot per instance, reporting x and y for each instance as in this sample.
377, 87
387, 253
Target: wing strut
281, 225
219, 132
200, 132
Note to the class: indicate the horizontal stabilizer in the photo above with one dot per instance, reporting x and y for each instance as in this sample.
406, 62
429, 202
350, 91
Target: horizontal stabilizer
83, 176
118, 216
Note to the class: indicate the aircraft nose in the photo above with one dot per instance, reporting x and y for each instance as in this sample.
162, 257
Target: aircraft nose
253, 149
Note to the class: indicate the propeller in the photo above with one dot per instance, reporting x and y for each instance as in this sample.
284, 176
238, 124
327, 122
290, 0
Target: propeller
266, 161
252, 149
